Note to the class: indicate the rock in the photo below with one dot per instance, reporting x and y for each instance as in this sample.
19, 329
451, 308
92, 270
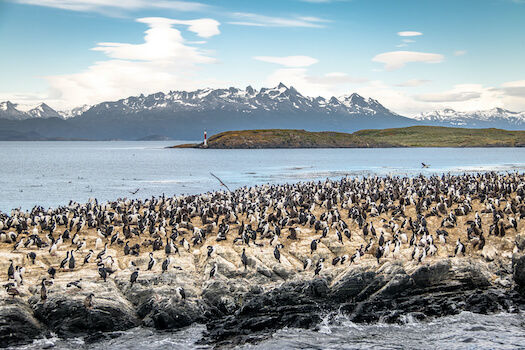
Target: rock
489, 253
293, 304
66, 314
520, 242
518, 269
158, 302
17, 323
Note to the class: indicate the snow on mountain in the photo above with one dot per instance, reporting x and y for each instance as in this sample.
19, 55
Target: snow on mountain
75, 112
43, 111
13, 111
496, 117
280, 98
9, 111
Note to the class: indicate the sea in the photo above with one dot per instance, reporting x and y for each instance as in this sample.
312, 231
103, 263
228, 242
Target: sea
51, 174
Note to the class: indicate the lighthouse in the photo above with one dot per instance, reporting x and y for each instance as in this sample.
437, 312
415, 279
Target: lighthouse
205, 139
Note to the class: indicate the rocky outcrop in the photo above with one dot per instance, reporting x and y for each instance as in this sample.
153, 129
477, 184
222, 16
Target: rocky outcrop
240, 306
66, 314
518, 269
18, 324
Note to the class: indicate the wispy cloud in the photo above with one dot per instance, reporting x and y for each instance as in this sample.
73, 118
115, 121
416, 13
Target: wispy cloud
102, 5
335, 78
413, 82
460, 53
409, 33
448, 96
513, 89
251, 19
398, 59
289, 61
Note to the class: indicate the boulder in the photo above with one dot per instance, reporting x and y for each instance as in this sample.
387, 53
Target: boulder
518, 269
17, 323
66, 314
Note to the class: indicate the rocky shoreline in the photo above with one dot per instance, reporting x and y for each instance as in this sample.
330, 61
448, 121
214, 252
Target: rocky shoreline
240, 304
236, 311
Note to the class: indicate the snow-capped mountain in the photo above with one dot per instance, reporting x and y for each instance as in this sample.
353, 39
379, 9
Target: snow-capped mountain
75, 112
280, 98
496, 117
13, 111
8, 111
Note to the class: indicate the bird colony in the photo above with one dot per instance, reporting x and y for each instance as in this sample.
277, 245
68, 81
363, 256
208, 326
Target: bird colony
313, 229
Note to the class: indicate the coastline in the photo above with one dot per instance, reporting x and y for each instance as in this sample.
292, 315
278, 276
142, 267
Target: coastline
267, 294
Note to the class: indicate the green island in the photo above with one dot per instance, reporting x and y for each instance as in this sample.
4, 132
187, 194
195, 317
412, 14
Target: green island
414, 136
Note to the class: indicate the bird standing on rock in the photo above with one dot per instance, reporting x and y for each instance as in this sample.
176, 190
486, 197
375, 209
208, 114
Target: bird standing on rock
244, 258
134, 276
319, 267
182, 293
213, 271
460, 248
71, 261
43, 290
88, 302
152, 261
277, 253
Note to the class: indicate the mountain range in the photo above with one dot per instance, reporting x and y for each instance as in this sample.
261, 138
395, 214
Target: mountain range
185, 115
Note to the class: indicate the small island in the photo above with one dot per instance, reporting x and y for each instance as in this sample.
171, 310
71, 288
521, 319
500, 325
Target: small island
414, 136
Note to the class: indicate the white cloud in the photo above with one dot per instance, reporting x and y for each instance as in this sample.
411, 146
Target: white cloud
460, 53
162, 42
409, 33
448, 96
204, 27
102, 6
414, 82
397, 59
335, 78
514, 88
250, 19
289, 61
163, 62
464, 97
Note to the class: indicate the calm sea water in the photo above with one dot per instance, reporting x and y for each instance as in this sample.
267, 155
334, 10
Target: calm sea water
52, 173
463, 331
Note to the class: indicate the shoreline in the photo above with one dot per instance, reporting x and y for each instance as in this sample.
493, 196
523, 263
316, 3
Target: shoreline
265, 294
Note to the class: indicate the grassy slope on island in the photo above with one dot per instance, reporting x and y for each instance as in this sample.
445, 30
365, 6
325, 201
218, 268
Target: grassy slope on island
414, 136
286, 138
437, 136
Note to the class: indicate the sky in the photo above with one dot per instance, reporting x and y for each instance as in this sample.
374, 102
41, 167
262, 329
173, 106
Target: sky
412, 56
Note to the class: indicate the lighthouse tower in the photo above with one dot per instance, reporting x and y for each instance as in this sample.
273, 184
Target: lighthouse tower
205, 139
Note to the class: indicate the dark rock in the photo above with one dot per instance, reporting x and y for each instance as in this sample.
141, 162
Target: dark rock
68, 316
17, 323
293, 304
518, 269
520, 242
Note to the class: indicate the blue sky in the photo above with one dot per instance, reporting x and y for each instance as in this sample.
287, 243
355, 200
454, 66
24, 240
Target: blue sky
411, 55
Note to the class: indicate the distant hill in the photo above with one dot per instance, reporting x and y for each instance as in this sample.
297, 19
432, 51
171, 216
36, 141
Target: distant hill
416, 136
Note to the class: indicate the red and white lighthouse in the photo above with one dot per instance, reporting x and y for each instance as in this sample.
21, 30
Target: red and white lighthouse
205, 139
